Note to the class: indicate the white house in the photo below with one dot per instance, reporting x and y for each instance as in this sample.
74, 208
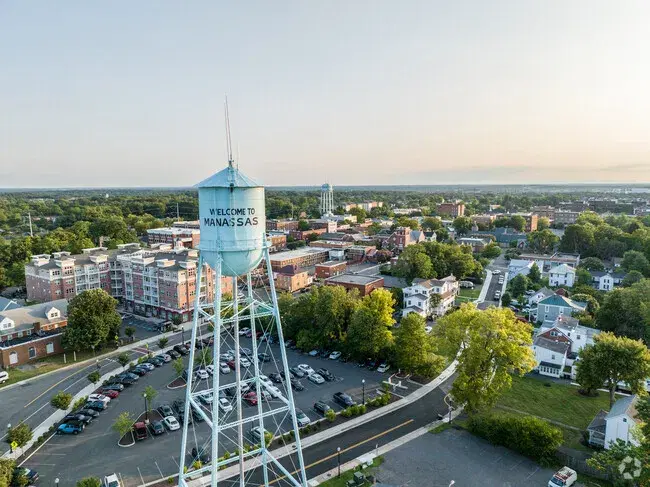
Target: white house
539, 295
417, 297
562, 275
618, 424
580, 336
519, 267
605, 280
548, 309
550, 356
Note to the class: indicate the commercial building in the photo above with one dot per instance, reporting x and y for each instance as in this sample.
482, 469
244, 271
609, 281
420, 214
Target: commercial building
418, 296
303, 234
483, 219
331, 244
194, 224
31, 332
330, 268
452, 209
358, 253
365, 284
277, 241
544, 211
290, 278
565, 217
175, 236
282, 225
366, 205
531, 220
303, 257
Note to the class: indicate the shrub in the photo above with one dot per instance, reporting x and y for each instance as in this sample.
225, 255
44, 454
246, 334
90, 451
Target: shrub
362, 409
347, 412
226, 455
527, 435
330, 415
170, 481
61, 400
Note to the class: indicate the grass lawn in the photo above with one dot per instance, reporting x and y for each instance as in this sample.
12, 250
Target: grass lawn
465, 295
345, 476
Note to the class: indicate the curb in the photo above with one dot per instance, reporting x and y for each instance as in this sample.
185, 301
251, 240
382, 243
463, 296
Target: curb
126, 446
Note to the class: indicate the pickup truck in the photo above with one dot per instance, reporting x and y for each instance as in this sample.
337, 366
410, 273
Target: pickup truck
140, 431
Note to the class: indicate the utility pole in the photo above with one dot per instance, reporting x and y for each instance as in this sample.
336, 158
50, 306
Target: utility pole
178, 215
31, 231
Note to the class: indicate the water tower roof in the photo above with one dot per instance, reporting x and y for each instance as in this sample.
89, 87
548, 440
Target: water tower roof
226, 177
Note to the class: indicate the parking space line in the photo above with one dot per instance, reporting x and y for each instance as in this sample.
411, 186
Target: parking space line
141, 478
175, 462
161, 474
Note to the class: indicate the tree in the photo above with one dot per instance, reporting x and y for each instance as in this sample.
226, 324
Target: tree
543, 223
94, 377
592, 303
203, 356
303, 225
150, 394
463, 225
177, 320
179, 366
19, 478
431, 223
578, 239
369, 334
7, 467
123, 359
89, 482
611, 360
636, 261
413, 262
123, 423
631, 277
61, 400
21, 434
92, 318
414, 350
583, 277
542, 241
518, 285
534, 274
162, 342
494, 344
129, 331
491, 251
518, 222
626, 311
506, 299
610, 460
592, 264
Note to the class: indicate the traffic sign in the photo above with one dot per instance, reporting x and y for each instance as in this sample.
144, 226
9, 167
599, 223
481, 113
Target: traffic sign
14, 445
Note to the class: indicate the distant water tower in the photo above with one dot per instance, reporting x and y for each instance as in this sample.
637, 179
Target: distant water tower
326, 200
233, 244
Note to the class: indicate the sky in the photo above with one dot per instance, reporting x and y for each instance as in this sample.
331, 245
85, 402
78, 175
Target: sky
352, 92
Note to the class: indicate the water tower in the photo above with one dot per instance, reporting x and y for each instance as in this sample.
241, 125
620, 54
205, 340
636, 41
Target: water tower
326, 200
222, 435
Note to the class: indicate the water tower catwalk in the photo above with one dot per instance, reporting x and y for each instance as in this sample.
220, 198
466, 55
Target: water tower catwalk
232, 410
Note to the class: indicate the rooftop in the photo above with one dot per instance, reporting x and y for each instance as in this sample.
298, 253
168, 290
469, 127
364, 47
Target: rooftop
330, 263
297, 253
357, 279
559, 347
624, 405
26, 317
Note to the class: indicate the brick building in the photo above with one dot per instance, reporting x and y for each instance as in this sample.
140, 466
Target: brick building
302, 234
31, 332
282, 225
544, 211
303, 257
277, 241
365, 284
331, 244
330, 268
291, 278
185, 237
452, 209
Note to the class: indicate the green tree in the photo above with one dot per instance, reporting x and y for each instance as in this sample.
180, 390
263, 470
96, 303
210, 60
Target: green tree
578, 239
369, 334
518, 285
129, 331
592, 264
542, 241
61, 400
592, 303
414, 262
631, 277
21, 434
543, 223
19, 478
123, 359
583, 277
123, 424
491, 251
162, 342
203, 356
403, 221
89, 482
534, 274
414, 349
609, 461
7, 467
634, 260
494, 344
92, 318
611, 360
463, 225
518, 222
431, 223
94, 377
506, 299
151, 394
179, 366
626, 311
303, 225
177, 320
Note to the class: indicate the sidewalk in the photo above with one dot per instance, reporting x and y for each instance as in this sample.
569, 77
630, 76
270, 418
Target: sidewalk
486, 286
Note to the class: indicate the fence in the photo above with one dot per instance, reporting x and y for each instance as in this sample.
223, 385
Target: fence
578, 461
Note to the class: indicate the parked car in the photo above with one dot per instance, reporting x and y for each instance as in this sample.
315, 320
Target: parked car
78, 417
244, 362
111, 481
112, 393
202, 456
88, 412
225, 357
301, 418
96, 405
316, 378
313, 353
165, 357
99, 397
156, 362
335, 355
564, 477
273, 391
174, 354
171, 423
243, 331
206, 398
383, 367
147, 366
289, 343
166, 410
496, 272
275, 377
201, 374
343, 399
223, 368
322, 407
250, 398
245, 351
326, 374
157, 428
324, 353
224, 405
181, 349
4, 376
210, 369
139, 371
140, 431
297, 372
31, 475
257, 433
306, 369
297, 385
70, 428
179, 406
264, 357
113, 387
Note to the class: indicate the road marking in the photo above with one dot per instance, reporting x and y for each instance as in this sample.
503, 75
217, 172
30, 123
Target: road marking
141, 478
161, 474
346, 449
533, 473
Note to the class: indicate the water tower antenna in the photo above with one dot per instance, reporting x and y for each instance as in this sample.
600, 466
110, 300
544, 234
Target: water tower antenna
228, 138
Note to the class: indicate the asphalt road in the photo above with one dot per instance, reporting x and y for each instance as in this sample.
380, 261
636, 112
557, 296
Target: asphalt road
499, 264
95, 451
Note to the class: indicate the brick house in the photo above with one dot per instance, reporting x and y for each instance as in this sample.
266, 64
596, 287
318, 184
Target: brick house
330, 268
291, 278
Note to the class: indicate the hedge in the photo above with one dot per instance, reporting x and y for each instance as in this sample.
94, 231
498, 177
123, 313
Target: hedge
527, 435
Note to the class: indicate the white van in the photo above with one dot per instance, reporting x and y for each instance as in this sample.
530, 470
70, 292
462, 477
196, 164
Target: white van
4, 376
563, 478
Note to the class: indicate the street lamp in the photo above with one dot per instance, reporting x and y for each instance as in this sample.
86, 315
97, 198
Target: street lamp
363, 384
146, 410
11, 448
93, 347
338, 458
56, 482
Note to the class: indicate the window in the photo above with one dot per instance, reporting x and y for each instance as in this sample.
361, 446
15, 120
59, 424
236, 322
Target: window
13, 358
32, 352
553, 333
547, 308
553, 357
49, 348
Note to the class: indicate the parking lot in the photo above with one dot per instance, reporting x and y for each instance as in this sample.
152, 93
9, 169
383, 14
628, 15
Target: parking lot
95, 451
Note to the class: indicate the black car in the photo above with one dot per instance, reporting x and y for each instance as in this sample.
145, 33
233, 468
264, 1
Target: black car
230, 391
343, 399
125, 380
327, 375
181, 349
325, 353
81, 418
113, 387
264, 357
275, 377
321, 407
158, 362
31, 475
157, 428
96, 405
174, 354
297, 385
296, 372
165, 410
88, 412
179, 406
199, 344
284, 376
138, 371
196, 416
203, 456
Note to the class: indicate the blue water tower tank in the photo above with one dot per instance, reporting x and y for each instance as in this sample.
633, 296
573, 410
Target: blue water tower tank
233, 222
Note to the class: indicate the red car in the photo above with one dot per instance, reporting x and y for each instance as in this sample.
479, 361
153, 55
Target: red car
108, 392
231, 364
250, 398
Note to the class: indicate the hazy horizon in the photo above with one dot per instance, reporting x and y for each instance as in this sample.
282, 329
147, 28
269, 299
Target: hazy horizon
362, 93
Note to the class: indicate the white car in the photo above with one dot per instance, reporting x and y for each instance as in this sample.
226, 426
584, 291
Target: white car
427, 329
225, 357
313, 353
171, 423
243, 331
224, 405
306, 369
274, 391
301, 418
258, 433
201, 374
148, 366
244, 362
112, 481
383, 367
223, 368
99, 397
265, 380
316, 378
496, 272
210, 369
335, 355
206, 398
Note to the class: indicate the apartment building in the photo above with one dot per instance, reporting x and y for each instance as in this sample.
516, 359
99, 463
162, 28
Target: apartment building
531, 220
277, 241
194, 224
291, 278
302, 234
452, 209
303, 257
544, 211
417, 297
330, 268
485, 219
175, 236
565, 217
282, 225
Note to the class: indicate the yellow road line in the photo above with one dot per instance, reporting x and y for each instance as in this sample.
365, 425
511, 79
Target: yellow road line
351, 447
53, 386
